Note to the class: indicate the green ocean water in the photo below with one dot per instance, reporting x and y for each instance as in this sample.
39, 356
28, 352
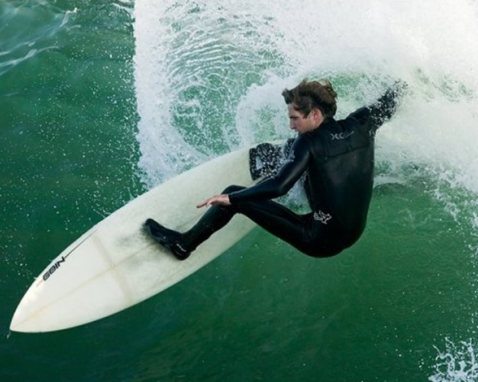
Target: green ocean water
101, 100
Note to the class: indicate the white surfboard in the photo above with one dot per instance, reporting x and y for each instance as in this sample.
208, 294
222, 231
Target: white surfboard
116, 264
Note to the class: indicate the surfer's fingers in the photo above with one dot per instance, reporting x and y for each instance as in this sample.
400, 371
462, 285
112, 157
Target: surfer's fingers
202, 204
217, 199
207, 202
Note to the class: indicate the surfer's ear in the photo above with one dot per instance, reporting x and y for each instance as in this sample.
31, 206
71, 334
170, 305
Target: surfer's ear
316, 114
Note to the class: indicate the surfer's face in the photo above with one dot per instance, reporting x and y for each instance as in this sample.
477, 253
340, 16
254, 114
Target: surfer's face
302, 124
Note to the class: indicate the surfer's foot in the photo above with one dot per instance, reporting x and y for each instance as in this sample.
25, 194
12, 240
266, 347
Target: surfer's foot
167, 238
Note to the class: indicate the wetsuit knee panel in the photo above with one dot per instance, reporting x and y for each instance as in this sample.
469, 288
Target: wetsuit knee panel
320, 248
320, 240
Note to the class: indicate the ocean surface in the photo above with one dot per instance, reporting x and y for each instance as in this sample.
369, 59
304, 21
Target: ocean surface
102, 100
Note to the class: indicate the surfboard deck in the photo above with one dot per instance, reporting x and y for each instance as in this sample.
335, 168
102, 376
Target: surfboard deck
116, 265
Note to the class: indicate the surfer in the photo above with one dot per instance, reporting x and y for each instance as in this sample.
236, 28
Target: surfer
332, 159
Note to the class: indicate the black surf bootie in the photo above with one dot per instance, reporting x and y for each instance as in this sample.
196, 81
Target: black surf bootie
167, 238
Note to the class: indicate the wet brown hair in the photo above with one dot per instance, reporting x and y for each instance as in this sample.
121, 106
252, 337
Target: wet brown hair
312, 94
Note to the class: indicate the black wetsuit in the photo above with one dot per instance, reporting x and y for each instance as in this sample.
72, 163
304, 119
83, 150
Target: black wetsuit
336, 163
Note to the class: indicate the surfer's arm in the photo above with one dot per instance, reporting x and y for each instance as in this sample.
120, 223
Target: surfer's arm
279, 181
381, 110
283, 181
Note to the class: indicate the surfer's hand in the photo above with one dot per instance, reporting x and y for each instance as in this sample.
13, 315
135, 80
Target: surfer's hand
222, 200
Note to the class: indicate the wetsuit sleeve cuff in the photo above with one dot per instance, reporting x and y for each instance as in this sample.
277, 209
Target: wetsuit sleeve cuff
232, 197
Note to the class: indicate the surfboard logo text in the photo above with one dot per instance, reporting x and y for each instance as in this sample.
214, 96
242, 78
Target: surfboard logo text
53, 268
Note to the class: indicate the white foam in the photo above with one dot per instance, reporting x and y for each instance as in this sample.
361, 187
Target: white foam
457, 363
211, 72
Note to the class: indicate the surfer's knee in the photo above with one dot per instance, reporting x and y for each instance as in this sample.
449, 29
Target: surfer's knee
322, 251
319, 254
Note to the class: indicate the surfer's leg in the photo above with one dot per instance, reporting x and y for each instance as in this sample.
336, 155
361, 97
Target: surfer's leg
182, 244
212, 221
277, 220
272, 216
299, 231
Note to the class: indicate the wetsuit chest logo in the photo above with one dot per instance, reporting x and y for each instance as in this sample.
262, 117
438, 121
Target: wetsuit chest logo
341, 136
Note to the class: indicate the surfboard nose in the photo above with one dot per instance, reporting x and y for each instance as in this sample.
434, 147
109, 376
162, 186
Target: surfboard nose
16, 325
20, 319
